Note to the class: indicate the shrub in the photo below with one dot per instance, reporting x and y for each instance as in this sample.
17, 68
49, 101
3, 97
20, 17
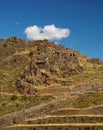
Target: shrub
4, 104
14, 97
17, 105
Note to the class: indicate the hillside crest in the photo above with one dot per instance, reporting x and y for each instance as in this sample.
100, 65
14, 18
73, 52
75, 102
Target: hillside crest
34, 63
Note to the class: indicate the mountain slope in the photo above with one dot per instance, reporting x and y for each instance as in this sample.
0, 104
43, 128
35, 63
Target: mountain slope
34, 63
39, 77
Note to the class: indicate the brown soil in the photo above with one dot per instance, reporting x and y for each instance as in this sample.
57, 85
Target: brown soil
53, 91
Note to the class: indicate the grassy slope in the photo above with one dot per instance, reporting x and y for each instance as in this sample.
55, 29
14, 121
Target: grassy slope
9, 72
91, 78
11, 103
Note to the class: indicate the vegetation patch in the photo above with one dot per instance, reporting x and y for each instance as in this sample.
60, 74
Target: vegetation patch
11, 103
89, 100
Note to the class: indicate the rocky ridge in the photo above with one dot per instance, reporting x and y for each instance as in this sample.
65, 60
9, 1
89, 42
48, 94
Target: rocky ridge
47, 63
39, 63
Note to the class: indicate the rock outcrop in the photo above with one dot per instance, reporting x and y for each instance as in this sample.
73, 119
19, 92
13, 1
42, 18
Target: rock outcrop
95, 61
47, 62
37, 63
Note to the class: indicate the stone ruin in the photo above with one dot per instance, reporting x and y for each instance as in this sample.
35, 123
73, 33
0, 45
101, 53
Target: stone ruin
47, 64
95, 61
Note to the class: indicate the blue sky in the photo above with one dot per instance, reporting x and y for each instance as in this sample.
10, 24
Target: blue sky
83, 17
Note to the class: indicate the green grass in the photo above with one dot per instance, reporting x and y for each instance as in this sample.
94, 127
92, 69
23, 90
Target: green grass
11, 103
93, 99
91, 75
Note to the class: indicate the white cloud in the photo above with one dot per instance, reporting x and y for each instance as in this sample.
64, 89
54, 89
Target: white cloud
49, 32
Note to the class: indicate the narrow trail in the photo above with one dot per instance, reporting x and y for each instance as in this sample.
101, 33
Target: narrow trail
38, 110
60, 101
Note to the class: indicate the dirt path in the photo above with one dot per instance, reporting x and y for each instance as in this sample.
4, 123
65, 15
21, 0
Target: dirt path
54, 91
38, 110
66, 97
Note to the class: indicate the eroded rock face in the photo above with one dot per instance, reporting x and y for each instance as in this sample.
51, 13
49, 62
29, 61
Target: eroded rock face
47, 63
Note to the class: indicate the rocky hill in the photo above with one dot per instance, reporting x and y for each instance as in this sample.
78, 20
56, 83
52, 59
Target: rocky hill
47, 86
36, 63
